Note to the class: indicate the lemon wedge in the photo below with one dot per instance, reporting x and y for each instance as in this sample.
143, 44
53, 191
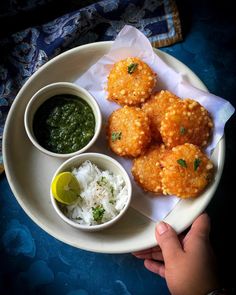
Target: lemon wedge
65, 188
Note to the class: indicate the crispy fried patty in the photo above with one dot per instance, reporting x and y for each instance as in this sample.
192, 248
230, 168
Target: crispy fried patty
156, 108
186, 171
147, 168
130, 82
128, 131
186, 121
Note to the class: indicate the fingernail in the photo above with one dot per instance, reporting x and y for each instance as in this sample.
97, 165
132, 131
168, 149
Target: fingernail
162, 228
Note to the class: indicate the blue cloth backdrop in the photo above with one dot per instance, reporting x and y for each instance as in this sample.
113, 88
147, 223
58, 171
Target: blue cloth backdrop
22, 53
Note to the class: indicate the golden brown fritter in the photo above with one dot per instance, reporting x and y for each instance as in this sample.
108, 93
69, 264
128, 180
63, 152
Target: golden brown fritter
156, 108
147, 168
186, 171
186, 121
128, 131
130, 82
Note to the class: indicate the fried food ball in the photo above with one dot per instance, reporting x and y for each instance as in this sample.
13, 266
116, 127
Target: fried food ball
130, 82
156, 108
147, 168
186, 121
128, 131
186, 171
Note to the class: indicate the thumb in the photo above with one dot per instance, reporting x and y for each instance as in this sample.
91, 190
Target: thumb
200, 228
168, 241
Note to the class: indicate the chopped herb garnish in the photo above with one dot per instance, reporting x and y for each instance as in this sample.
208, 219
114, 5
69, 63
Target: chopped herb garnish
112, 190
132, 67
112, 202
196, 163
98, 213
182, 163
115, 136
103, 181
182, 130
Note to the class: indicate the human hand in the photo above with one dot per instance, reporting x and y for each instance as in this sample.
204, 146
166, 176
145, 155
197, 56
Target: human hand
187, 263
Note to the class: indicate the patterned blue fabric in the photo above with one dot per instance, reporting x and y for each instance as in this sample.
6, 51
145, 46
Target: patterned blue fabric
24, 52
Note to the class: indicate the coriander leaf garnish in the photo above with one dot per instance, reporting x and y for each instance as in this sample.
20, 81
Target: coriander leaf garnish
98, 213
182, 163
116, 136
196, 163
112, 190
132, 67
103, 181
182, 130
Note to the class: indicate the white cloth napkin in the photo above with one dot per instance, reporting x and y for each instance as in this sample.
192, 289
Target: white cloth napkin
131, 42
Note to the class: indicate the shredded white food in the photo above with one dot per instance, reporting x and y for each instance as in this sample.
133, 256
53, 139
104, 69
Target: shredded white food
102, 196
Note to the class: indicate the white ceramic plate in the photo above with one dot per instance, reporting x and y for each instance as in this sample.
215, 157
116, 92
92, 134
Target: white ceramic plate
29, 171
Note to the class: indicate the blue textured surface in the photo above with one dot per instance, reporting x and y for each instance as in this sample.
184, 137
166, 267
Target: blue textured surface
39, 264
32, 262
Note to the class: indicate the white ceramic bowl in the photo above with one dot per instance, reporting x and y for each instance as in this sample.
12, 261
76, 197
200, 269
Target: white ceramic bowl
103, 162
55, 89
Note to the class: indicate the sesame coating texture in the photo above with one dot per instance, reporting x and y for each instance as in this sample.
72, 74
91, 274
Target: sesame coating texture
128, 131
186, 171
130, 82
186, 121
155, 108
147, 168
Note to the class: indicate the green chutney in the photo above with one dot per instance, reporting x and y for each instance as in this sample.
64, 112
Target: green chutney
64, 124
